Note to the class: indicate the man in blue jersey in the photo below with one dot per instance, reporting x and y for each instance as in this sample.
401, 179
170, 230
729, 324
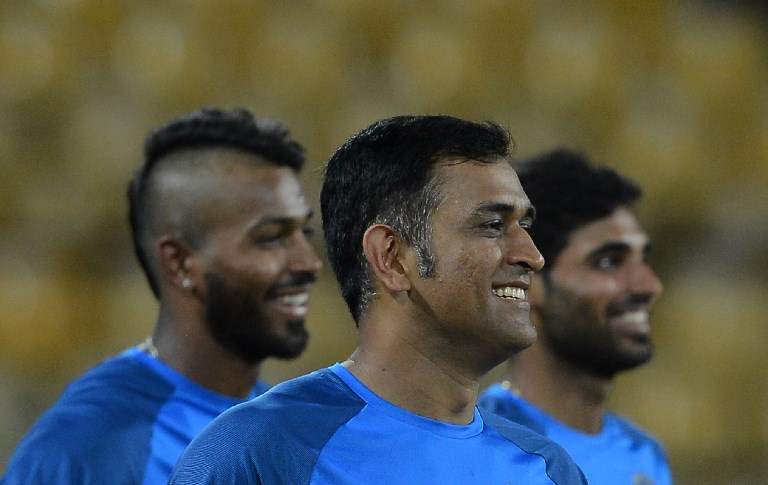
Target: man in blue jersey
426, 227
219, 226
591, 309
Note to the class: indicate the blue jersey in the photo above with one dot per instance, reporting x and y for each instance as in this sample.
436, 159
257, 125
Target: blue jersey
621, 454
329, 428
125, 421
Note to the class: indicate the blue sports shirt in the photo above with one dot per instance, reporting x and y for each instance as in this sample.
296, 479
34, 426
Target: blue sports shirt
329, 428
125, 421
621, 454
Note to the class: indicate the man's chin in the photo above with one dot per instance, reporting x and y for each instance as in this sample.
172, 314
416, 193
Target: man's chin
635, 352
292, 344
254, 350
625, 362
636, 360
292, 351
519, 336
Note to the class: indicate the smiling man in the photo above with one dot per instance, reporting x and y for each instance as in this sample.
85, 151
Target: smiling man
591, 308
219, 225
427, 230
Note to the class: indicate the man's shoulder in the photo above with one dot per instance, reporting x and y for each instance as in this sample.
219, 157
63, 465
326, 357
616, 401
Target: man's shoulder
293, 405
559, 465
637, 435
118, 386
102, 417
111, 394
275, 438
523, 437
500, 401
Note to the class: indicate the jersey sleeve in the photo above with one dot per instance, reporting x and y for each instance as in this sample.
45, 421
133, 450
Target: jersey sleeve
30, 469
495, 400
561, 468
664, 472
98, 432
53, 461
216, 456
274, 439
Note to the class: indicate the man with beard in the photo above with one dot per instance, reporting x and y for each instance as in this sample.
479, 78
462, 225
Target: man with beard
219, 225
426, 228
590, 306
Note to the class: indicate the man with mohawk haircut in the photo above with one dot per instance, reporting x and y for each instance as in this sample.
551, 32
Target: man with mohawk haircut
219, 224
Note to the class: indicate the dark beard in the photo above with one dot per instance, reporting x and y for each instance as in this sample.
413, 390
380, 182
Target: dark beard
572, 330
238, 323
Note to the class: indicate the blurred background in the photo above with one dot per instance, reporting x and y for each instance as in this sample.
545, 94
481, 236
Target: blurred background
672, 93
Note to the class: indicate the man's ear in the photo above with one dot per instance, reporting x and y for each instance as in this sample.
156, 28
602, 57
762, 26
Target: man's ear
383, 249
177, 263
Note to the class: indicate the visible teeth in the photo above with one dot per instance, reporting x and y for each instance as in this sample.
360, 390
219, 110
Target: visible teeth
295, 299
510, 292
638, 316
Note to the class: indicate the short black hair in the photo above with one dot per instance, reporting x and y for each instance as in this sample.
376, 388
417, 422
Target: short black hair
203, 129
569, 192
385, 174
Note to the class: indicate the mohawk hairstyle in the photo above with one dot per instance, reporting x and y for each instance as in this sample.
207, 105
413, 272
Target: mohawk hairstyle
212, 127
206, 128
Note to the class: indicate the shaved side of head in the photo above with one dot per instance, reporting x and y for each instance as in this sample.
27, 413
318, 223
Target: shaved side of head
185, 192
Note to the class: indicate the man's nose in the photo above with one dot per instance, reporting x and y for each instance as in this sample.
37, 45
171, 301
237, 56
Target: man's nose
523, 251
303, 256
644, 281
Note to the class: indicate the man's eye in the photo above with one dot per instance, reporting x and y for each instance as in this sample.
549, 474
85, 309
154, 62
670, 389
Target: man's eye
308, 232
526, 224
496, 225
606, 262
269, 238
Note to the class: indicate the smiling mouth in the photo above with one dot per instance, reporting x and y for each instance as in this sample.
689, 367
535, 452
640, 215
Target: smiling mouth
297, 299
296, 305
637, 317
634, 324
510, 293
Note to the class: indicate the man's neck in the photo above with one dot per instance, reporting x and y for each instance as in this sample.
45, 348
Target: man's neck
406, 370
183, 344
570, 395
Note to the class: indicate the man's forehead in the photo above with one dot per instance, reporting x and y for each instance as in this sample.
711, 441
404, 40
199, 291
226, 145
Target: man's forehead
213, 188
621, 226
211, 168
478, 186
